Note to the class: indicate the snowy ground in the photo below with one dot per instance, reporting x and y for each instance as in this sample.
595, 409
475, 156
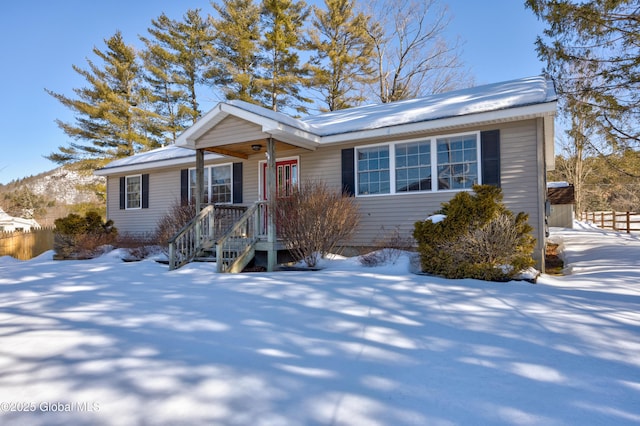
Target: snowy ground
106, 342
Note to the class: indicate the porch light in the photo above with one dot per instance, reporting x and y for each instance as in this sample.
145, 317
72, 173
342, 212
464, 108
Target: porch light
256, 147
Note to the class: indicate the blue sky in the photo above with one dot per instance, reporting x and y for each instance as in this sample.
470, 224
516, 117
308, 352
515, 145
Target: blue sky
40, 41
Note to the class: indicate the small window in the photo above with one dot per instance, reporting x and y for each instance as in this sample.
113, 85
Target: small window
457, 162
134, 192
217, 185
413, 166
373, 170
221, 184
192, 186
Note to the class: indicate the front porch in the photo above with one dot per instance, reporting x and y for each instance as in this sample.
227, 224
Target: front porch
233, 236
238, 133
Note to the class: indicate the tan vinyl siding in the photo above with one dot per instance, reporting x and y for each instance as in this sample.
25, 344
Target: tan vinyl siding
164, 191
230, 130
520, 170
384, 213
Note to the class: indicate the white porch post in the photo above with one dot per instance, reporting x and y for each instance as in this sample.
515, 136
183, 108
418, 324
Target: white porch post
199, 179
271, 210
199, 195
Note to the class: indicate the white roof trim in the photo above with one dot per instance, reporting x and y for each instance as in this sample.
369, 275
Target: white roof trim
287, 129
184, 158
517, 113
146, 166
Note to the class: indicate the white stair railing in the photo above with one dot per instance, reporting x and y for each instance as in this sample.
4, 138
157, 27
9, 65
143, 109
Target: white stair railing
237, 247
189, 241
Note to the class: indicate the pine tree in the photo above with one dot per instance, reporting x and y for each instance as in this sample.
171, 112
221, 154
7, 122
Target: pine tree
111, 120
167, 99
237, 49
592, 51
182, 51
282, 82
23, 202
343, 53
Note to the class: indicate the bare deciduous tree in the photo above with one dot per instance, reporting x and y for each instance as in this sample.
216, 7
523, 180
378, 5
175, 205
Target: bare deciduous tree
412, 56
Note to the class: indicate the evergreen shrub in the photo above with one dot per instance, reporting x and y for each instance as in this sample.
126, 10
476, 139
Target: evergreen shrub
479, 238
78, 237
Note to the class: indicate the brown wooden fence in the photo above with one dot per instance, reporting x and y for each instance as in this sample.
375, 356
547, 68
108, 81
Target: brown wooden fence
26, 245
618, 221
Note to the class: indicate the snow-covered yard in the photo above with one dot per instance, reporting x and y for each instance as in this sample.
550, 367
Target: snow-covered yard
106, 342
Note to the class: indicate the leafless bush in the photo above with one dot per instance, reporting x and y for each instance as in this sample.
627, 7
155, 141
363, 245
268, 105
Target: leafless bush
315, 220
172, 222
81, 246
387, 248
138, 246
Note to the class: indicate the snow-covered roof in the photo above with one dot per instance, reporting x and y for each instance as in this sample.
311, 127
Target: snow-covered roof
490, 97
334, 126
11, 221
167, 155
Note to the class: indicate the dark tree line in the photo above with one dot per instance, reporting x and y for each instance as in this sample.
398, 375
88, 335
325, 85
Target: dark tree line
281, 54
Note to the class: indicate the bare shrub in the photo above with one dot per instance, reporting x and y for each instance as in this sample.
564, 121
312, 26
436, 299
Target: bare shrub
138, 246
172, 222
388, 248
315, 221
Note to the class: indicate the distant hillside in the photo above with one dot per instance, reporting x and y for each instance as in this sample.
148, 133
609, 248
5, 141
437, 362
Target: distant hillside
61, 185
61, 188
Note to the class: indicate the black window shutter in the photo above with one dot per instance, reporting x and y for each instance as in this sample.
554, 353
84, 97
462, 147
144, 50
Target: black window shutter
122, 193
348, 172
237, 183
490, 147
184, 187
145, 191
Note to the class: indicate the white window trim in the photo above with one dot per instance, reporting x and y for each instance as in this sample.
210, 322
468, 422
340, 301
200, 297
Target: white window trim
126, 192
208, 167
434, 164
261, 178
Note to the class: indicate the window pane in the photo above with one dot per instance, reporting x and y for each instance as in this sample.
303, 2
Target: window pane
373, 170
413, 166
457, 162
192, 185
134, 192
221, 184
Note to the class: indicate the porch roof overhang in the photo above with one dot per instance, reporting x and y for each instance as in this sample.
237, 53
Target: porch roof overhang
288, 133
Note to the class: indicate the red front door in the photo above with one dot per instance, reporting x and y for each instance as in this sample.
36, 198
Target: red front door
286, 178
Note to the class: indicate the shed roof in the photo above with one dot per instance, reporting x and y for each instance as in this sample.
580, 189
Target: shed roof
561, 194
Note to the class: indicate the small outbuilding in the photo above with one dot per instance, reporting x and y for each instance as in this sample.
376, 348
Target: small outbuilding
562, 200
